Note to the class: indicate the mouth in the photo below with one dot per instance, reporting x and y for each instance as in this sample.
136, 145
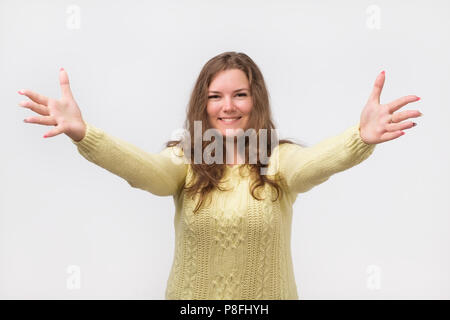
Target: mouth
229, 120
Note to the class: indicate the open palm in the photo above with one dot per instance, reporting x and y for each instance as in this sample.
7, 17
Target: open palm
62, 113
380, 122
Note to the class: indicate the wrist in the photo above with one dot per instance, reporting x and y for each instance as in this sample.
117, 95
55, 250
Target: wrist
78, 132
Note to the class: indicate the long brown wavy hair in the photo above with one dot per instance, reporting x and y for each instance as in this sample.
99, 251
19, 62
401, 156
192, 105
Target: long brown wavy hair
207, 177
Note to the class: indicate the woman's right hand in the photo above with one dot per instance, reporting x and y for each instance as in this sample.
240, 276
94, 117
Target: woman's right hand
62, 113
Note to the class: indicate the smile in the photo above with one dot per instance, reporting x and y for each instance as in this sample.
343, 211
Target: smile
229, 120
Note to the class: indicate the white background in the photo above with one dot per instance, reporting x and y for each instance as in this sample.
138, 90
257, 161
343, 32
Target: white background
376, 231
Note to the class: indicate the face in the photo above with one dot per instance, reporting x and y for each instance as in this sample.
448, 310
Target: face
229, 101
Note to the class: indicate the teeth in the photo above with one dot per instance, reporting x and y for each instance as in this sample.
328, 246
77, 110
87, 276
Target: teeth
229, 120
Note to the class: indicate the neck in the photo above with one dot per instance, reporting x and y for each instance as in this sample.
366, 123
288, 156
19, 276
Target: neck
233, 157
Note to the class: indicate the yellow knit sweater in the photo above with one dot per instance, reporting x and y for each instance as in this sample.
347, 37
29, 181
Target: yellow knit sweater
236, 247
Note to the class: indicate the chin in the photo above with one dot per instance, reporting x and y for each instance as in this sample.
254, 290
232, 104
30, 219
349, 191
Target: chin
231, 131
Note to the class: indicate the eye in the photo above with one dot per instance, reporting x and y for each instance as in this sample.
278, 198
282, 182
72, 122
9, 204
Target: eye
239, 94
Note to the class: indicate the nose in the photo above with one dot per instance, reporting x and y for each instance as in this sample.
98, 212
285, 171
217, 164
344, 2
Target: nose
228, 105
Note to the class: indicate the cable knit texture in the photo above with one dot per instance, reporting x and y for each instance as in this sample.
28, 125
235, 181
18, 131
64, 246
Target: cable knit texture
235, 247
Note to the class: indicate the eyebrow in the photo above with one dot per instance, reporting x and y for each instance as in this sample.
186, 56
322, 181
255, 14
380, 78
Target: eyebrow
233, 91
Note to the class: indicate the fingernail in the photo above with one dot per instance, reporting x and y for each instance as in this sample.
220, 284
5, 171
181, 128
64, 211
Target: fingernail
61, 69
20, 91
418, 98
421, 114
403, 133
24, 120
45, 136
383, 72
414, 124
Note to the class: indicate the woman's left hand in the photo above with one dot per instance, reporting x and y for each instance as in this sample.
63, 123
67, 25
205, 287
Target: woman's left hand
379, 122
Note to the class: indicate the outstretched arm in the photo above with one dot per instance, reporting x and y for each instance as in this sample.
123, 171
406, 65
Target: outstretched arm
304, 168
162, 173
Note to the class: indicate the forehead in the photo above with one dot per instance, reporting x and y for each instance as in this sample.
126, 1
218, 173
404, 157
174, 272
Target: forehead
229, 80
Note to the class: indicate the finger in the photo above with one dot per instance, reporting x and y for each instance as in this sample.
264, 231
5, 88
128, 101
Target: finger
65, 85
36, 107
392, 135
36, 97
45, 120
377, 88
400, 126
54, 132
400, 102
403, 115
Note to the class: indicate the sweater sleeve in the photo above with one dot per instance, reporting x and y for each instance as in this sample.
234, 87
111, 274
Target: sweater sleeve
161, 174
306, 167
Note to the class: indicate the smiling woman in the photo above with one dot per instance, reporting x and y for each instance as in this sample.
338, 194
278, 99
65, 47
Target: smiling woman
232, 224
229, 108
230, 96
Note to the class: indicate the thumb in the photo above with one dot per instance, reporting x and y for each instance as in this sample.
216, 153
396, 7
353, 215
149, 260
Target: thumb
64, 83
377, 87
54, 132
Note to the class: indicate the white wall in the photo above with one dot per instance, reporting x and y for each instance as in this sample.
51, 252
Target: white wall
132, 66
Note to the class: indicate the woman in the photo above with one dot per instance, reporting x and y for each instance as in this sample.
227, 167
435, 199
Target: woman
232, 221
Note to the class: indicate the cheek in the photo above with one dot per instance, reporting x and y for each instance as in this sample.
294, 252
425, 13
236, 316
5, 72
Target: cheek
247, 108
212, 110
212, 113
